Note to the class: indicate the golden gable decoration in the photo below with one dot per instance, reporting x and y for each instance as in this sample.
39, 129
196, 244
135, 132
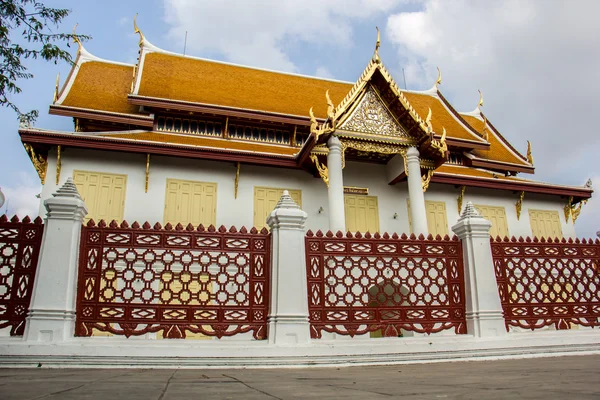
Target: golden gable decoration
372, 117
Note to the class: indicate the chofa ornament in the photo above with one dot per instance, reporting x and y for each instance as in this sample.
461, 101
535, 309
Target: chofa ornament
2, 198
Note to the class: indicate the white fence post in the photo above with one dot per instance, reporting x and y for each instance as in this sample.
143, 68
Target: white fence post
53, 304
483, 308
288, 314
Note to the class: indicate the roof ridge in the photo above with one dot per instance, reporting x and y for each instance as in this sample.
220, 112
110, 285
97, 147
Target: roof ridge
155, 49
504, 141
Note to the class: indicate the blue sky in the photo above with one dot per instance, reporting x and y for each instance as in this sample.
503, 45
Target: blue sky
535, 61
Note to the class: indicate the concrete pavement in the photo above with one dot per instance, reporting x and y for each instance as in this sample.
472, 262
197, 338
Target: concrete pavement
540, 378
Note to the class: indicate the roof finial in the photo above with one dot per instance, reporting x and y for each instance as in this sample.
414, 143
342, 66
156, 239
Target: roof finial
76, 39
56, 87
330, 106
480, 101
137, 30
428, 121
484, 130
376, 54
529, 155
313, 121
439, 79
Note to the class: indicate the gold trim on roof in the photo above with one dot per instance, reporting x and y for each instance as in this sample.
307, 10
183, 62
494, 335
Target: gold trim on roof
440, 145
576, 211
568, 208
147, 172
370, 116
361, 84
56, 88
460, 198
40, 163
382, 148
519, 204
529, 155
58, 163
76, 39
322, 168
425, 179
377, 45
137, 30
237, 180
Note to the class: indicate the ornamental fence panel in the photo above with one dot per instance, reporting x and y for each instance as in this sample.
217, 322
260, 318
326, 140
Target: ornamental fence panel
382, 284
548, 282
20, 243
173, 280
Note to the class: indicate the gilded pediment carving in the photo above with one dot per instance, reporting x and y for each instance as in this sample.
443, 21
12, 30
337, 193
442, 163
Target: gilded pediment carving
372, 117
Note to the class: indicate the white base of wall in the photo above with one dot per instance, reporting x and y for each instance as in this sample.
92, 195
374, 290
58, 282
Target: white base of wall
123, 353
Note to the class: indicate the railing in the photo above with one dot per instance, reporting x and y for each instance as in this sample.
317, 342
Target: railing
20, 243
140, 279
384, 284
548, 282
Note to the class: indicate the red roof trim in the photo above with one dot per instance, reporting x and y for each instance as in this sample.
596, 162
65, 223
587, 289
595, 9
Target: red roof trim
127, 145
531, 187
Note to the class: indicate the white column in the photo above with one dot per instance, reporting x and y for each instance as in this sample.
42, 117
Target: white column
337, 216
483, 307
418, 213
51, 315
288, 314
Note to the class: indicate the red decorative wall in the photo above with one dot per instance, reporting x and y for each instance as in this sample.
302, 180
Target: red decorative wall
544, 283
176, 280
386, 284
20, 243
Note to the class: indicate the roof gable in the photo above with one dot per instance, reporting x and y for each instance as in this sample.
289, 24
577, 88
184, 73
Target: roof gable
371, 116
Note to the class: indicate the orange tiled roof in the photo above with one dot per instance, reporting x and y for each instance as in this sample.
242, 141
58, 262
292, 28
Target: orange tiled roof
101, 86
497, 151
198, 141
466, 171
175, 77
440, 117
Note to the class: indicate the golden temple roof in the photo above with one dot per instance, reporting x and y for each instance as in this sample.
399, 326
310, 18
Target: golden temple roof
206, 142
175, 77
100, 85
441, 116
499, 149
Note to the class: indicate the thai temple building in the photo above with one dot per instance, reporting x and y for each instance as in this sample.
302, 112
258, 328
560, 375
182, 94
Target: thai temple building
180, 139
284, 220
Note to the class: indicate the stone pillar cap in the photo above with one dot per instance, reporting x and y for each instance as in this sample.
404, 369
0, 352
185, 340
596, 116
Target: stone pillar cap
286, 201
67, 190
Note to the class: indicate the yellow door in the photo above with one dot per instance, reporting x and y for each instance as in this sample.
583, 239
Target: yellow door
191, 202
265, 200
362, 213
437, 223
545, 224
103, 194
497, 216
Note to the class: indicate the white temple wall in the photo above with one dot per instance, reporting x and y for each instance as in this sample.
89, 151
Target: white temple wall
141, 206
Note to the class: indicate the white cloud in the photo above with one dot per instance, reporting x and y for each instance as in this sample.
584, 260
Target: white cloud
536, 64
20, 199
255, 32
323, 72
